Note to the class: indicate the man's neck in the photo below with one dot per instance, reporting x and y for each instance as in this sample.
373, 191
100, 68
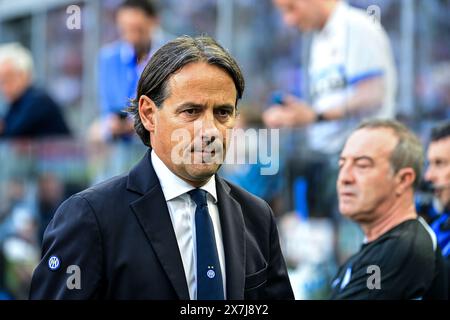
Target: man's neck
21, 94
328, 9
401, 211
142, 52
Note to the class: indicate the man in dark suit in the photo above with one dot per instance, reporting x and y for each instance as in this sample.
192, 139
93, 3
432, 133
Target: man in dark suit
32, 113
171, 228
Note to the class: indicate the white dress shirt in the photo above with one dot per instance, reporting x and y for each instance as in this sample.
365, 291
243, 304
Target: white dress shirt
182, 213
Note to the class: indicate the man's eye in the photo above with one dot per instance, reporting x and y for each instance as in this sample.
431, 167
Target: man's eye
441, 163
224, 112
191, 112
362, 165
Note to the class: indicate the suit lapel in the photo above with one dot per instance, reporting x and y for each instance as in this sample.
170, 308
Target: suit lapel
153, 215
232, 222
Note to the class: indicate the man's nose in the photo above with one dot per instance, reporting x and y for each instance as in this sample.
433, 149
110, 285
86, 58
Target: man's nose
429, 174
209, 130
345, 175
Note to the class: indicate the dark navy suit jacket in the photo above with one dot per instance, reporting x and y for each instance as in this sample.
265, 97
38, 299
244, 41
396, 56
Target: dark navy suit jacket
34, 115
120, 235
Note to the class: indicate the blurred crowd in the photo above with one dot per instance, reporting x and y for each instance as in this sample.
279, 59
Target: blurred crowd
64, 124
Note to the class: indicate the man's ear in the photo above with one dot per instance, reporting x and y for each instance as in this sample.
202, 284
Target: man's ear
147, 112
405, 178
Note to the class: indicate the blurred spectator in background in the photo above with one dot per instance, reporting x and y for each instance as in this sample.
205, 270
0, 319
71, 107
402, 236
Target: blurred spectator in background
50, 196
438, 173
246, 169
121, 64
19, 249
399, 258
32, 113
4, 294
22, 252
351, 75
13, 202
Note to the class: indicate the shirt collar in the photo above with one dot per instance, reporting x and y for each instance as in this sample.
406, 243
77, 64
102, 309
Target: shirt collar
173, 186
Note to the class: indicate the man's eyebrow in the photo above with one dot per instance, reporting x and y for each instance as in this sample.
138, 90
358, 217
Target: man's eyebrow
187, 105
226, 106
341, 158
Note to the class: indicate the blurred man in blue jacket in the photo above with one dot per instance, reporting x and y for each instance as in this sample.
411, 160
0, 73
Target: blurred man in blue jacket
31, 113
122, 62
438, 173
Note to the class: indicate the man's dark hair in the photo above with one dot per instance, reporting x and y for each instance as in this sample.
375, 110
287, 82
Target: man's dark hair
441, 131
147, 6
170, 58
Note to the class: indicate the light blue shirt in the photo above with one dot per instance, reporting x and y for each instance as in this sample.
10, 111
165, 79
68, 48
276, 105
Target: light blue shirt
119, 73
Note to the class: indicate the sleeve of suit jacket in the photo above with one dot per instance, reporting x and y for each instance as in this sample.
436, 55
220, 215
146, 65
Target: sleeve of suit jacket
71, 262
279, 286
